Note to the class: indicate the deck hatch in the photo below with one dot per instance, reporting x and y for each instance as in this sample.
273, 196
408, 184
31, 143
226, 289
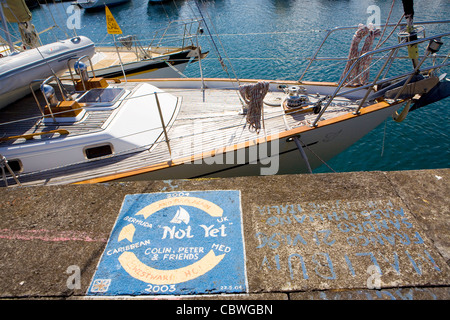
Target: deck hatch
102, 96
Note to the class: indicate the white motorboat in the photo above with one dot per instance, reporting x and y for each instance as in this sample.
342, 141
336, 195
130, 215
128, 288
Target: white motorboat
98, 4
18, 70
96, 130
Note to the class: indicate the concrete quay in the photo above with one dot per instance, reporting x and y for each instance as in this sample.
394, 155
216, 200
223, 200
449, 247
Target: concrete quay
340, 236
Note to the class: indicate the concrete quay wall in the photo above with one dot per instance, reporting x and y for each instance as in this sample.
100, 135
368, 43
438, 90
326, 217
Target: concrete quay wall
350, 236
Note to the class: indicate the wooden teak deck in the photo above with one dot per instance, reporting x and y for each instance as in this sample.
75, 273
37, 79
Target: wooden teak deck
206, 123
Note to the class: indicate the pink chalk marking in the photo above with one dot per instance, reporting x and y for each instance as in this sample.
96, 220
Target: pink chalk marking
49, 235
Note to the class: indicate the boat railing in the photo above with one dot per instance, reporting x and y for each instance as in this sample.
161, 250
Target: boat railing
47, 102
340, 29
187, 33
177, 34
390, 53
389, 80
163, 124
80, 73
4, 164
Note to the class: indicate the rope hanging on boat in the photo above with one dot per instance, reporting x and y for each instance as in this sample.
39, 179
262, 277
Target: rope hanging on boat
253, 96
360, 33
360, 73
365, 61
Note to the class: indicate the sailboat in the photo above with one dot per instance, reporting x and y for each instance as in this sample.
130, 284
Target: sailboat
181, 216
93, 130
19, 68
164, 56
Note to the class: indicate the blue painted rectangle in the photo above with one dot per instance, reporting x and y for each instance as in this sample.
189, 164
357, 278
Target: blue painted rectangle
174, 244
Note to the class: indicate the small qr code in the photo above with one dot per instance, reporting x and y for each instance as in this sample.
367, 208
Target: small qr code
100, 285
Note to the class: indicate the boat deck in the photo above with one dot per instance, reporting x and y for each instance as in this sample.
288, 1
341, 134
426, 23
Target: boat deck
200, 126
24, 118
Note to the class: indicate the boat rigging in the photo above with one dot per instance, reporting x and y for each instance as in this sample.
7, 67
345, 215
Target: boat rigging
89, 129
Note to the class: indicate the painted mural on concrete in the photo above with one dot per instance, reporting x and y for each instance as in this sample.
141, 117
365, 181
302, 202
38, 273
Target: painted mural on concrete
174, 243
343, 244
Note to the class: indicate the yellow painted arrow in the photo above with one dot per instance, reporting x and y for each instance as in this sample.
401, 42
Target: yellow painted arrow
141, 271
127, 232
211, 208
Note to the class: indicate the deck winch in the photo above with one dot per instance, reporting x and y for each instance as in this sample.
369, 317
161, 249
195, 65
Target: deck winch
297, 100
296, 97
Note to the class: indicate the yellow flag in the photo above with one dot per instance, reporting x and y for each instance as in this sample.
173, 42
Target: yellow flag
111, 23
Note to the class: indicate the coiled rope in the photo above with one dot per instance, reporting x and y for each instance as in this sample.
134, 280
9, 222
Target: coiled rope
360, 73
253, 96
354, 53
365, 61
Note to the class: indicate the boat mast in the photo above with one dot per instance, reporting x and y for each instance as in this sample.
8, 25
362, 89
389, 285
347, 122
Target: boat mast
413, 53
408, 8
5, 25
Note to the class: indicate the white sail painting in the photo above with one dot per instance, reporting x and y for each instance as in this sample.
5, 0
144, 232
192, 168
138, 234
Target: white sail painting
181, 216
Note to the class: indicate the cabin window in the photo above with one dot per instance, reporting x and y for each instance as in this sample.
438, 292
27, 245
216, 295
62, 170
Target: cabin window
98, 151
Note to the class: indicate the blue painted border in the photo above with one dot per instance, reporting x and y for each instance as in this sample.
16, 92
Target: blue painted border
164, 245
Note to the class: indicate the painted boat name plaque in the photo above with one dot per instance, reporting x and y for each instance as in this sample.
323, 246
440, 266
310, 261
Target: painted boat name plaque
174, 244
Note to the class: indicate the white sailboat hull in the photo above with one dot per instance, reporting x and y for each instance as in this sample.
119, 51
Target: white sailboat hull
153, 129
323, 142
213, 149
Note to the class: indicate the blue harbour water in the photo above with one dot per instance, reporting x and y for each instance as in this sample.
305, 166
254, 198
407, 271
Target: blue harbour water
272, 39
